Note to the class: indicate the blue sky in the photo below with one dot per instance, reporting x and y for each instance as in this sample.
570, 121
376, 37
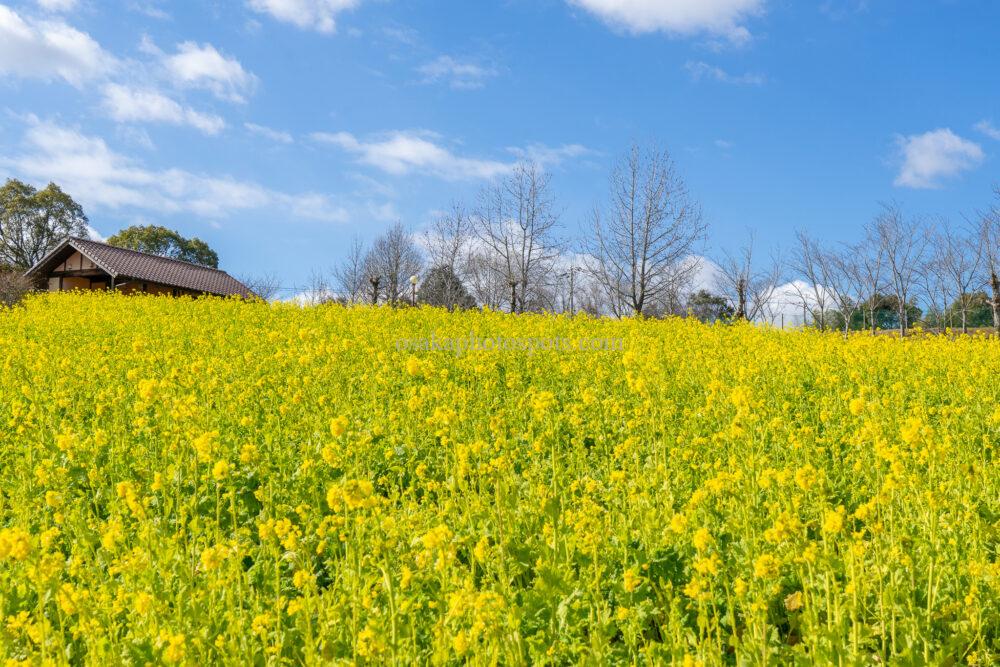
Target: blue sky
277, 130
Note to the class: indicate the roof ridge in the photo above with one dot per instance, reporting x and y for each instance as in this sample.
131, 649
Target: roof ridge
149, 254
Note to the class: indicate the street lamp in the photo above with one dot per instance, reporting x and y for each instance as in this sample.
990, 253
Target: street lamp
413, 287
572, 287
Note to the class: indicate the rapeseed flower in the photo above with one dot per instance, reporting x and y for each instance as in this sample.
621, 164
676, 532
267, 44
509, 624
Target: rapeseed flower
200, 481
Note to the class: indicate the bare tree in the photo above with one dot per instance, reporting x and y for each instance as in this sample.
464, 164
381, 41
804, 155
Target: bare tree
904, 244
590, 298
869, 258
515, 222
449, 237
349, 276
933, 282
642, 244
567, 285
845, 283
810, 262
393, 258
14, 286
317, 289
487, 281
264, 286
748, 290
448, 243
958, 256
989, 243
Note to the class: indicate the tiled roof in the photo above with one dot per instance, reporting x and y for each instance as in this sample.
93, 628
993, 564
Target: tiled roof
125, 263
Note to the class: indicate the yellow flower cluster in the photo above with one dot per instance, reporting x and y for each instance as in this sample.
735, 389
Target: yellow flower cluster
212, 481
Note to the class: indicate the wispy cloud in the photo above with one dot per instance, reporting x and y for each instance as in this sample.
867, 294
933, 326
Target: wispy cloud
58, 5
987, 128
403, 34
150, 8
404, 152
719, 18
103, 178
316, 15
412, 151
700, 71
148, 105
459, 74
838, 10
551, 156
928, 159
277, 136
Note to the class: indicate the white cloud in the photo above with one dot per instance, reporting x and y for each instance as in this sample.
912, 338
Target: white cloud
268, 133
724, 18
403, 34
987, 128
548, 156
706, 276
700, 71
404, 152
461, 75
147, 105
98, 177
316, 15
784, 306
150, 9
135, 136
838, 10
202, 66
382, 211
312, 206
929, 158
57, 5
49, 50
149, 47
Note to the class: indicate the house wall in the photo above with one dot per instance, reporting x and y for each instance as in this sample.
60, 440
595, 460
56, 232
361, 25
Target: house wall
102, 283
67, 283
74, 282
75, 262
135, 286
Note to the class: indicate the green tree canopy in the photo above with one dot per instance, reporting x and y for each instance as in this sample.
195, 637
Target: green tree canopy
164, 242
33, 221
709, 307
886, 315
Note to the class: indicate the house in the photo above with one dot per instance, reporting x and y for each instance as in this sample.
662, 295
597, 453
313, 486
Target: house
83, 264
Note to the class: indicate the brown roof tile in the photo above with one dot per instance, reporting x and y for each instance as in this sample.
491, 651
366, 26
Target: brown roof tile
125, 263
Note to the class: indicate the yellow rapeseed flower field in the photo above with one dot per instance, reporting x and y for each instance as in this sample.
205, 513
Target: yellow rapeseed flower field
208, 481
